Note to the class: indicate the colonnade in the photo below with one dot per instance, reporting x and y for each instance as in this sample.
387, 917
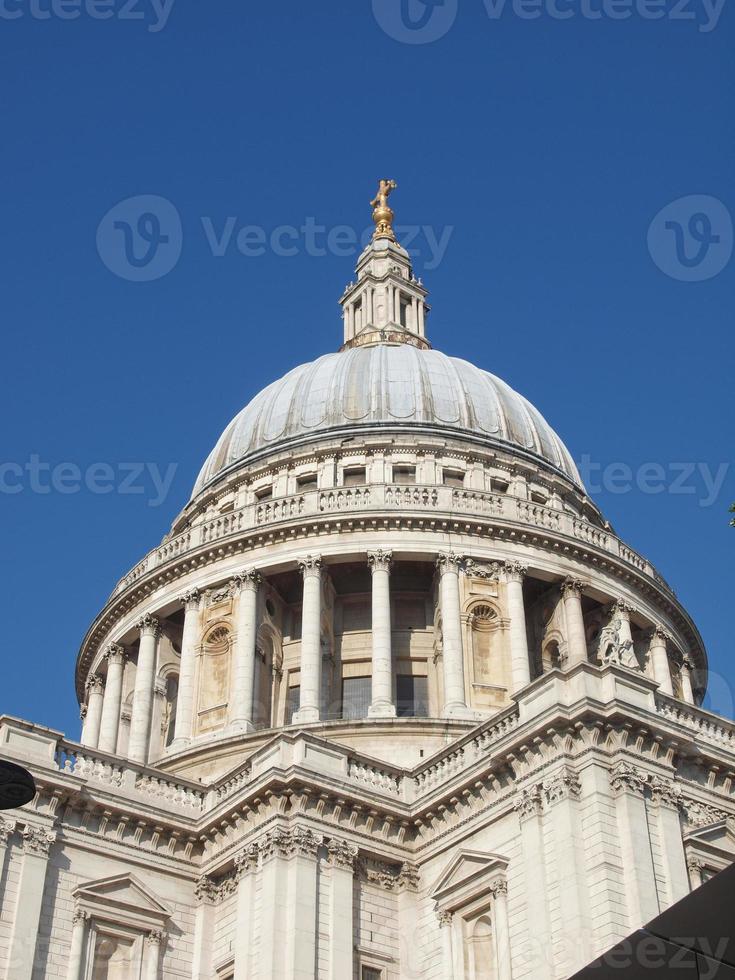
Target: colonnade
104, 696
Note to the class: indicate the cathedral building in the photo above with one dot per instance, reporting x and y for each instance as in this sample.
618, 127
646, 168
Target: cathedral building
391, 701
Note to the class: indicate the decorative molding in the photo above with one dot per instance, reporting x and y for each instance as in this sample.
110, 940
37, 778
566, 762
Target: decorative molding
499, 886
249, 579
246, 861
529, 803
206, 889
445, 918
156, 937
572, 587
409, 877
699, 815
448, 561
378, 873
191, 599
95, 682
7, 828
665, 792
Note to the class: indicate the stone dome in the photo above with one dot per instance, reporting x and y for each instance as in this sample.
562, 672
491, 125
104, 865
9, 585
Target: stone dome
387, 385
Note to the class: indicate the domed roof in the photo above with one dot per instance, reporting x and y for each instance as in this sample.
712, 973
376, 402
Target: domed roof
364, 389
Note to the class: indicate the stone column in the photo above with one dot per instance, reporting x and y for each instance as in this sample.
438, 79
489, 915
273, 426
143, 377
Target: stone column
695, 869
184, 725
561, 796
446, 926
246, 633
110, 721
145, 677
36, 844
303, 925
246, 864
660, 660
455, 704
410, 945
382, 705
91, 732
571, 591
76, 951
519, 659
687, 669
206, 895
539, 952
628, 786
501, 928
666, 797
311, 645
154, 941
342, 858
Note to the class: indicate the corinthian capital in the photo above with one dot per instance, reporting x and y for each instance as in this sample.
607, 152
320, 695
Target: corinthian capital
115, 654
572, 587
342, 854
310, 566
37, 840
448, 561
380, 561
660, 637
249, 579
514, 571
624, 776
95, 684
565, 785
190, 599
665, 792
149, 625
622, 607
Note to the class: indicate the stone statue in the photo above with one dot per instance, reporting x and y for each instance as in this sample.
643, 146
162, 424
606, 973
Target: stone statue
382, 212
612, 650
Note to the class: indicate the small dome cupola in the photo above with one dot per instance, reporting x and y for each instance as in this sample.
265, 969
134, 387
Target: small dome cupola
387, 304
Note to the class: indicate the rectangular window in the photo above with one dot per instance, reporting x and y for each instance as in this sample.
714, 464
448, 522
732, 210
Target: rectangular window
265, 493
404, 313
538, 498
371, 973
355, 476
412, 696
292, 703
453, 478
356, 692
307, 482
498, 485
404, 474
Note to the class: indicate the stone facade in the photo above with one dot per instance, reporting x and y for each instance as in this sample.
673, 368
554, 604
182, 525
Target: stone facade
391, 702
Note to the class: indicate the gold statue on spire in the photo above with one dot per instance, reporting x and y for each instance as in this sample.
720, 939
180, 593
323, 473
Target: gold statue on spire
382, 212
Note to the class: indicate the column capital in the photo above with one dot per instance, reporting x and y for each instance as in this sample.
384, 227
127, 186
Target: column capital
624, 776
445, 918
660, 637
529, 804
622, 607
448, 561
380, 561
695, 865
95, 683
115, 654
246, 861
665, 792
498, 886
190, 599
514, 571
7, 827
572, 587
565, 785
149, 626
249, 579
156, 937
205, 889
80, 915
687, 664
37, 840
342, 854
310, 566
409, 877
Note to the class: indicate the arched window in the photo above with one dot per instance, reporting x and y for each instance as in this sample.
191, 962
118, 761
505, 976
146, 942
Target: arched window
480, 949
214, 679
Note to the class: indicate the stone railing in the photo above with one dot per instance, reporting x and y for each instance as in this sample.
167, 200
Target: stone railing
377, 777
710, 728
112, 771
436, 500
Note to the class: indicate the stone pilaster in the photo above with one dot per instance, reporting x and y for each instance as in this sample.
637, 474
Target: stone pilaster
246, 864
628, 785
382, 705
311, 648
37, 842
501, 926
342, 857
537, 954
80, 921
666, 799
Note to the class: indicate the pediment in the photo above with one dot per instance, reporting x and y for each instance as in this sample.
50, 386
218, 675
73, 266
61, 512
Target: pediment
720, 833
467, 872
123, 895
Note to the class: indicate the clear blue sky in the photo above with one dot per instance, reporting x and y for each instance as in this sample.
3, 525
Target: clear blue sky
547, 145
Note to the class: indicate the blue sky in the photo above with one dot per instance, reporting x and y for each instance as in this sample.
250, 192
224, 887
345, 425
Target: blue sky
543, 147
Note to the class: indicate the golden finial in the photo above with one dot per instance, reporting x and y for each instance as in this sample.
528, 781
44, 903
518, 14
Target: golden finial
382, 212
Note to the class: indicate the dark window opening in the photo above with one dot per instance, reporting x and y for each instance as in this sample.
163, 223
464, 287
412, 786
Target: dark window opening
356, 694
412, 700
